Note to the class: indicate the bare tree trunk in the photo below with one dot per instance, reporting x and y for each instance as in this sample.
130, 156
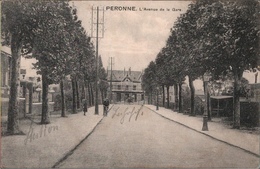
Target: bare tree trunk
63, 113
45, 106
74, 102
176, 96
12, 125
208, 105
151, 98
77, 93
24, 96
163, 99
89, 94
92, 94
102, 95
83, 93
168, 97
236, 102
30, 86
180, 97
192, 97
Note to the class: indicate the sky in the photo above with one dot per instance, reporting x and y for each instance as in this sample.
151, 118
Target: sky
132, 38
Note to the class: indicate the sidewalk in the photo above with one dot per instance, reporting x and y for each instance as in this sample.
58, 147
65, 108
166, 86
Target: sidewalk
44, 145
246, 141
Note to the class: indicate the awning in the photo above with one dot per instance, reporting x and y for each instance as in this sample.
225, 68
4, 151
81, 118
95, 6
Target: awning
221, 97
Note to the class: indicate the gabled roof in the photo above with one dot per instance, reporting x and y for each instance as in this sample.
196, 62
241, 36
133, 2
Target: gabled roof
121, 75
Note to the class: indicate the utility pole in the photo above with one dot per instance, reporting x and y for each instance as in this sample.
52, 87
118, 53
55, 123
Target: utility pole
99, 22
111, 64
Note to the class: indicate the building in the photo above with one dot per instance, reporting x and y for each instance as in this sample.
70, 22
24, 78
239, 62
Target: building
5, 72
126, 85
255, 92
30, 85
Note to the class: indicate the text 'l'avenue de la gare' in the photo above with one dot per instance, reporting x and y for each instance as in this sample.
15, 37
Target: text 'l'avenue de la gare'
133, 8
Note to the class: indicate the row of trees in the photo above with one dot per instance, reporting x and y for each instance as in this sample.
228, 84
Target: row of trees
50, 32
213, 36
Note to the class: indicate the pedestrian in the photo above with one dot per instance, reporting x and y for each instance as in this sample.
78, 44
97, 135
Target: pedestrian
106, 106
84, 106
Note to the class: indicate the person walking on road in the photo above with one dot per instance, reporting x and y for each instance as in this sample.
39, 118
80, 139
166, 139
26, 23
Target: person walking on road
106, 106
84, 106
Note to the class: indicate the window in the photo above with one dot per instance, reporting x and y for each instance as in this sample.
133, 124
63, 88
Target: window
134, 87
126, 87
119, 87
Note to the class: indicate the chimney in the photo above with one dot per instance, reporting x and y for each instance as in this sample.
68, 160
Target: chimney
129, 71
124, 71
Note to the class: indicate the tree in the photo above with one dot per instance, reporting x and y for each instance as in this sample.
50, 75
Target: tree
103, 84
52, 47
233, 26
149, 82
165, 71
177, 72
18, 20
187, 37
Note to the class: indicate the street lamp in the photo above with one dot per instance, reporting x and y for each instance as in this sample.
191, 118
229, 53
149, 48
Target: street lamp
206, 78
144, 97
157, 99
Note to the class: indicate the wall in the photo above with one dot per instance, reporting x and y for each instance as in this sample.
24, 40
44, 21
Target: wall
249, 113
36, 107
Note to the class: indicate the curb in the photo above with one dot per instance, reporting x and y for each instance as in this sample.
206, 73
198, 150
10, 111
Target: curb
245, 150
70, 152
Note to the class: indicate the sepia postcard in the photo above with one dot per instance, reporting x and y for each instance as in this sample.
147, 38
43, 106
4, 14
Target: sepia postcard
130, 84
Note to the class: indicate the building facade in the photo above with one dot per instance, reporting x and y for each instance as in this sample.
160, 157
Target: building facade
29, 88
255, 92
5, 73
126, 86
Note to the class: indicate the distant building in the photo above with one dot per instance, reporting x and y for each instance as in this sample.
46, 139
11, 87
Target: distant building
125, 85
255, 92
30, 82
5, 72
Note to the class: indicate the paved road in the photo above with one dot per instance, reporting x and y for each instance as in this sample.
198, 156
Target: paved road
128, 137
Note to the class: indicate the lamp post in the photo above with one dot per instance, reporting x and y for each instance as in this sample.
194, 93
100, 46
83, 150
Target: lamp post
157, 98
144, 97
206, 78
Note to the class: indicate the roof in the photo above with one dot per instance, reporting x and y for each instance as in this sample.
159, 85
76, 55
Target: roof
6, 50
221, 97
121, 75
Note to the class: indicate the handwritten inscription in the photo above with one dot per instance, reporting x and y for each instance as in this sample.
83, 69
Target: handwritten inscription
128, 114
34, 134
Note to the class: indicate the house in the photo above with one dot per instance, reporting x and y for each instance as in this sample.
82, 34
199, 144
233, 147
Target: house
125, 85
255, 92
5, 71
30, 85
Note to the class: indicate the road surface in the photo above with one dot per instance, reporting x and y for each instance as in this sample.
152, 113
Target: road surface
134, 136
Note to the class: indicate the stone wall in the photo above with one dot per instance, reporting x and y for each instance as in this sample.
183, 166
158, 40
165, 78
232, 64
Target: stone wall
23, 110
